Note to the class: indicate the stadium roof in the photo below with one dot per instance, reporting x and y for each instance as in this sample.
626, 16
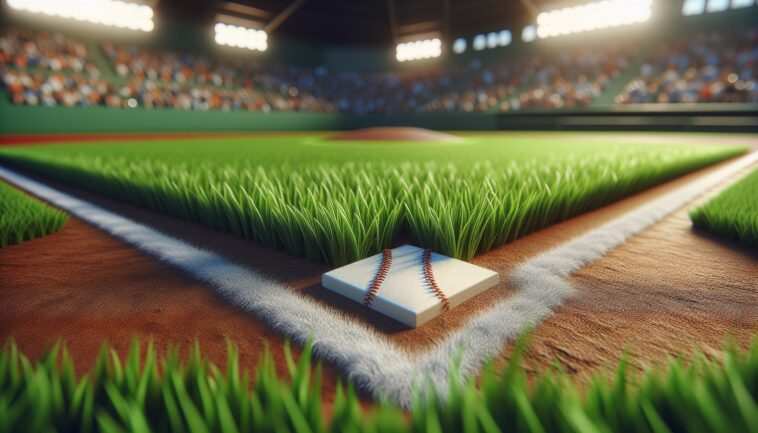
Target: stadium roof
368, 21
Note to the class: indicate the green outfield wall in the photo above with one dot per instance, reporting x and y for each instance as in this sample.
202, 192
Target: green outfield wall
672, 117
24, 119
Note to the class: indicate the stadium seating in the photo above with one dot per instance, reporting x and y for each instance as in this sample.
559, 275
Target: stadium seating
50, 69
710, 67
41, 68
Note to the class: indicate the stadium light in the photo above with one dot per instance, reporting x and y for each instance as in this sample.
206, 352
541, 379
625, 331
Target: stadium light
459, 46
592, 16
736, 4
505, 38
697, 7
693, 7
417, 50
106, 12
492, 40
717, 5
528, 34
502, 38
240, 37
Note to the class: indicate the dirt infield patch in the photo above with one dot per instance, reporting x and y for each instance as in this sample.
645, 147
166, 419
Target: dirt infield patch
668, 291
396, 133
84, 286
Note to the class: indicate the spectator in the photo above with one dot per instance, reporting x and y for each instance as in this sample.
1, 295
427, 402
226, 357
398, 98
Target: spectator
711, 67
52, 69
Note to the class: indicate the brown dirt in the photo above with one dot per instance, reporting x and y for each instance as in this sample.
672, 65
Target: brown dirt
668, 290
396, 133
83, 286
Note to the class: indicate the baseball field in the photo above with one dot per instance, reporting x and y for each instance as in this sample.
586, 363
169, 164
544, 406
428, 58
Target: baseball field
633, 317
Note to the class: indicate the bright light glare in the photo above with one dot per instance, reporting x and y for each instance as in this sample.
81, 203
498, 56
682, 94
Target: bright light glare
459, 46
107, 12
416, 50
240, 37
736, 4
528, 34
717, 5
505, 38
592, 16
492, 40
480, 41
693, 7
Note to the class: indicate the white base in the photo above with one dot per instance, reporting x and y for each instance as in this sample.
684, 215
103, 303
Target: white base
405, 295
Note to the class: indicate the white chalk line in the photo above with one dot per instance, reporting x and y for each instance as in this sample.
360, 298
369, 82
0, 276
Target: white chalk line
367, 356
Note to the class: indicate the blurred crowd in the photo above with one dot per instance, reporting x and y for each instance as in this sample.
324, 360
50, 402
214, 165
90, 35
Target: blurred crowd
709, 67
189, 82
574, 79
39, 68
49, 69
193, 82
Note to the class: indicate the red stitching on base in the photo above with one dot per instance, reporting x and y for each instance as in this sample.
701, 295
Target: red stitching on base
381, 274
429, 275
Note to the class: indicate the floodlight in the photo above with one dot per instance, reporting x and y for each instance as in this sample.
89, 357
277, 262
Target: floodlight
459, 46
693, 7
717, 5
736, 4
492, 40
114, 13
480, 41
528, 34
592, 16
240, 37
419, 49
504, 38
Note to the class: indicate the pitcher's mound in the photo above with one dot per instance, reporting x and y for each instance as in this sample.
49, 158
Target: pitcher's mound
396, 133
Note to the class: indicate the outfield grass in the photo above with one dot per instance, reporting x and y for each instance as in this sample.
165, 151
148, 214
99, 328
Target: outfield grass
338, 202
733, 214
144, 393
23, 218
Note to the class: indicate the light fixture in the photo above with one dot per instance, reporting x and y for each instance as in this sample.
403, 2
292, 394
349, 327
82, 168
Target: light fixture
504, 38
459, 46
528, 34
717, 5
480, 42
419, 49
240, 37
693, 7
492, 40
106, 12
736, 4
592, 16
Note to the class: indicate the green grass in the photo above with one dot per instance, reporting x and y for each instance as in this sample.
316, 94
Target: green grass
733, 214
338, 202
144, 392
23, 218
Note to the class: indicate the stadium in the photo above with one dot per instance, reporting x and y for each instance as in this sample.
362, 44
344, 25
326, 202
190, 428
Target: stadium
422, 215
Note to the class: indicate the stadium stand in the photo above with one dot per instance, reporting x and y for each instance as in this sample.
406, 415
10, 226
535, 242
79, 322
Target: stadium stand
574, 80
51, 69
710, 67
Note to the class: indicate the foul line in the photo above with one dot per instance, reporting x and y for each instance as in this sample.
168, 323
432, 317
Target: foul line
368, 358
